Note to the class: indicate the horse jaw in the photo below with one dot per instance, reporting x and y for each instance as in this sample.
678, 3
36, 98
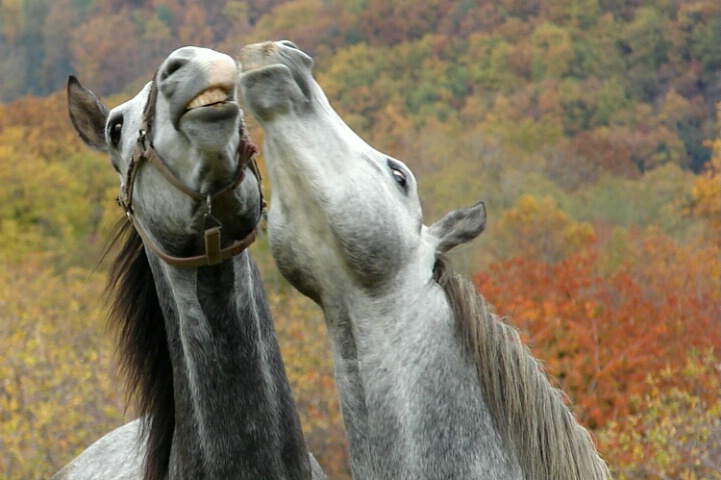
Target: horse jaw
319, 167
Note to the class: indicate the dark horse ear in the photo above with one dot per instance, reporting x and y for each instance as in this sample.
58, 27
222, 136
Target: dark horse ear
459, 226
88, 115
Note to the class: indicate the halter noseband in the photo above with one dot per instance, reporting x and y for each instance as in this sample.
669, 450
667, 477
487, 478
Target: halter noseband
145, 152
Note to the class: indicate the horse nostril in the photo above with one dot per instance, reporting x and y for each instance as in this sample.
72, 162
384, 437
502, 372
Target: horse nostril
172, 66
290, 44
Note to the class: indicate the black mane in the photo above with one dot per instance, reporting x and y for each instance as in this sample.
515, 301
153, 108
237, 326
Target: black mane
143, 355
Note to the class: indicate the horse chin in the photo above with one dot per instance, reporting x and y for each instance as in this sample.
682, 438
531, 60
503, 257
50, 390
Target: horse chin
217, 112
211, 127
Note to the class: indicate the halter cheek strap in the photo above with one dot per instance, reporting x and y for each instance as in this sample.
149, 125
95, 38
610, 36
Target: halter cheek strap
145, 153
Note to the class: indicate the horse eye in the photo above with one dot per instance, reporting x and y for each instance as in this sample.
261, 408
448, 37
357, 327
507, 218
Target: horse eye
115, 132
400, 177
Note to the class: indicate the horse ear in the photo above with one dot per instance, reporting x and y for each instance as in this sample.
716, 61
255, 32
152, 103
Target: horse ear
459, 226
88, 115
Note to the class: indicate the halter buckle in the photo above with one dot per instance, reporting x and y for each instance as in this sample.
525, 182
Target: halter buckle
212, 246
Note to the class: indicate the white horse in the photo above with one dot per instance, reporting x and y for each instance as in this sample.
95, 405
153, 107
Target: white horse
432, 384
197, 342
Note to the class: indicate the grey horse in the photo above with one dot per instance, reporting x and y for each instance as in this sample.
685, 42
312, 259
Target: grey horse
197, 342
432, 384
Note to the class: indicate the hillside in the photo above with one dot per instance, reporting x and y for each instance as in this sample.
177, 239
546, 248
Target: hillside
637, 80
590, 128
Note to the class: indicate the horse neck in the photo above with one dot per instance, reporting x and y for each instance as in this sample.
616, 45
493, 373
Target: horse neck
351, 391
399, 370
234, 410
349, 313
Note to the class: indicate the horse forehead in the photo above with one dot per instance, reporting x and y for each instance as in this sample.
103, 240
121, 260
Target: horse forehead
354, 176
131, 109
366, 184
130, 113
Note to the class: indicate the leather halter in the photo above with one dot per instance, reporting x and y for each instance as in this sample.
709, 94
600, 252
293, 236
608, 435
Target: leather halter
144, 152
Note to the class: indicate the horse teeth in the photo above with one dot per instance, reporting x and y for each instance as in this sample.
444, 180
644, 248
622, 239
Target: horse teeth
208, 97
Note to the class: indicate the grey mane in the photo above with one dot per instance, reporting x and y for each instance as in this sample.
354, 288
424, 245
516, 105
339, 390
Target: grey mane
527, 410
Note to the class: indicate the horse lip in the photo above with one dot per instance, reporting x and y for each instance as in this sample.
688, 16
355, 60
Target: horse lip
249, 68
211, 96
258, 69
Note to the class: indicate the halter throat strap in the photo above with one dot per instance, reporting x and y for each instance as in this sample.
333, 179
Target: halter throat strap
144, 152
213, 253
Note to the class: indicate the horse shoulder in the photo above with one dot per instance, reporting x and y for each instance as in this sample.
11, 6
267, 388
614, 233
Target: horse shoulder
116, 456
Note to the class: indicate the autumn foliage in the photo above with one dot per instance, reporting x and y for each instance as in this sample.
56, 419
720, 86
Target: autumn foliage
634, 344
59, 387
601, 334
589, 128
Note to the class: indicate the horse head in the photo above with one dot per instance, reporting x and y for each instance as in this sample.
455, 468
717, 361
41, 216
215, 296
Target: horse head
342, 211
432, 384
187, 124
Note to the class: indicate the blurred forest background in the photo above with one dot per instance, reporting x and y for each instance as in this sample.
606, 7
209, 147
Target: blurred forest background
589, 127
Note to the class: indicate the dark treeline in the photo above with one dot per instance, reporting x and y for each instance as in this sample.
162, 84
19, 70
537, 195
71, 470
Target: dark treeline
636, 79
